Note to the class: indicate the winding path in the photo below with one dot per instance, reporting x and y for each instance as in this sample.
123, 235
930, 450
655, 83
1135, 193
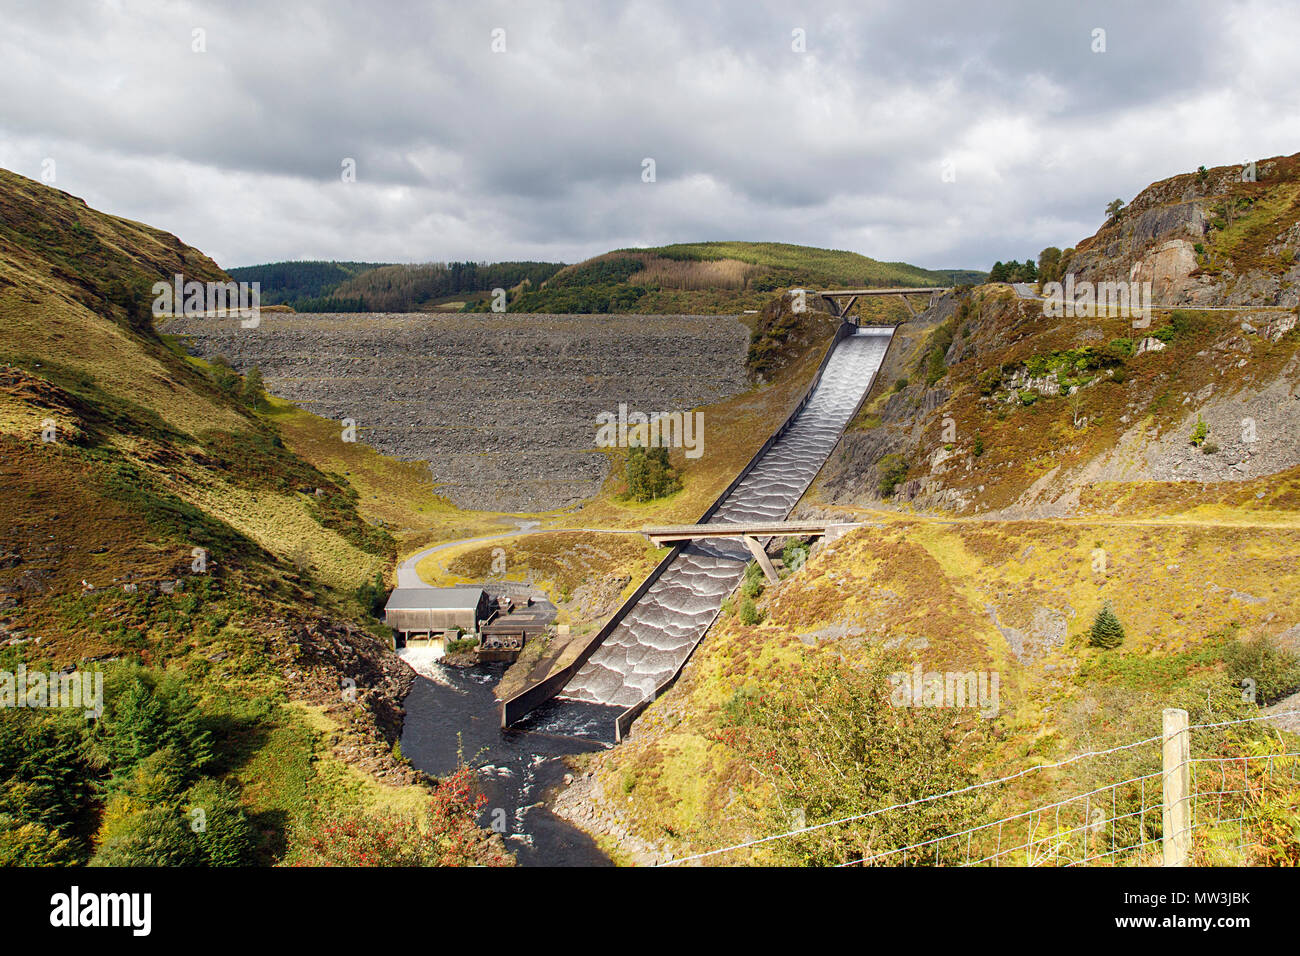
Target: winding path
408, 578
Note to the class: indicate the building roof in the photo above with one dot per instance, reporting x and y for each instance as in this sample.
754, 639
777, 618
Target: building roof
441, 599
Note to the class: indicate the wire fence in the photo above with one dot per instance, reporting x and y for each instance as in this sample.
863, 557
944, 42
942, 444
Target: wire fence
1183, 802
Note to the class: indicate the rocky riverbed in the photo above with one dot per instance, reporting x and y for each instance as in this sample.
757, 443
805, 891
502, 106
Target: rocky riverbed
502, 407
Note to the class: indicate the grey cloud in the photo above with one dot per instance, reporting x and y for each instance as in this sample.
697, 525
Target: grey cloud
536, 152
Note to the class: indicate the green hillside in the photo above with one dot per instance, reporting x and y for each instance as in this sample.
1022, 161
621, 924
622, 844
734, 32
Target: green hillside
824, 266
693, 277
156, 530
713, 277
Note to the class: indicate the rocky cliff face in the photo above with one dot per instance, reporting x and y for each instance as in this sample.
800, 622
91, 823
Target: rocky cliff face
1032, 415
1207, 239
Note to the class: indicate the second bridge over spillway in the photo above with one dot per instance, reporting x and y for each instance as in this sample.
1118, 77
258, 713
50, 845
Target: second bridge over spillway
752, 533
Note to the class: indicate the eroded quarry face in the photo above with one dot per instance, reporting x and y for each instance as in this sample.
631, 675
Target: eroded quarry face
502, 407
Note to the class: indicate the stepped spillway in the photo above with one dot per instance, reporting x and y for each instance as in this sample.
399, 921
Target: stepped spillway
658, 634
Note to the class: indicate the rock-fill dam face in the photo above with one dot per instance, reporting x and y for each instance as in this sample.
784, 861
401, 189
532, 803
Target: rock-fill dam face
503, 407
657, 635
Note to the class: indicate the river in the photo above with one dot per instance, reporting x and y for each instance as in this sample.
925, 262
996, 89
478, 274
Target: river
452, 712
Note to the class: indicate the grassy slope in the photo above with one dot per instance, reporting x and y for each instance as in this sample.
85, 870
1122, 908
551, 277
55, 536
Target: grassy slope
152, 460
927, 587
1190, 568
833, 266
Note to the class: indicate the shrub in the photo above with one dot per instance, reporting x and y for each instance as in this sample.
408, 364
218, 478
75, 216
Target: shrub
252, 391
226, 378
935, 368
1181, 323
900, 384
46, 781
831, 743
156, 836
1121, 348
893, 469
1199, 432
444, 835
939, 345
31, 844
793, 555
1107, 632
222, 830
1276, 672
979, 445
749, 613
372, 595
144, 714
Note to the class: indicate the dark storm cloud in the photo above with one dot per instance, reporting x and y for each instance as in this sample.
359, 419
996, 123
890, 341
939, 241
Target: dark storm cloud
537, 152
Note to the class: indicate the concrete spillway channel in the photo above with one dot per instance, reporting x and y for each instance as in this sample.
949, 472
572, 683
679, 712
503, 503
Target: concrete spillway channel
652, 641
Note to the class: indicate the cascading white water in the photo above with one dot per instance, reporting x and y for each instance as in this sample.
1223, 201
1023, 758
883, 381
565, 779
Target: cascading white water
659, 633
422, 659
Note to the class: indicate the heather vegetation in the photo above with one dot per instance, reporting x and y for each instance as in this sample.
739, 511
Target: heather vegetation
158, 523
829, 744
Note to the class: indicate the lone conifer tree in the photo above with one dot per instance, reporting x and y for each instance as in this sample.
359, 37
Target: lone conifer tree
1106, 629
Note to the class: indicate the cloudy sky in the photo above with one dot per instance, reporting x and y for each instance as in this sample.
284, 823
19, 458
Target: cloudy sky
520, 130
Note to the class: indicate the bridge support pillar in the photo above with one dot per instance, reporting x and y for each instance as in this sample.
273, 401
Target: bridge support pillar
760, 555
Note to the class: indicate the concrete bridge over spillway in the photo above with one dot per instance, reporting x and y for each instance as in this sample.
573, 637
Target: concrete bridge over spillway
752, 533
643, 647
842, 300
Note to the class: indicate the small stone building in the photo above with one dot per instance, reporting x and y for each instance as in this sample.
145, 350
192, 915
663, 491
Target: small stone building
432, 612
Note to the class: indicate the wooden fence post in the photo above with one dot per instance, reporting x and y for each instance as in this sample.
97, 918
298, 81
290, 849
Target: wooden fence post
1176, 837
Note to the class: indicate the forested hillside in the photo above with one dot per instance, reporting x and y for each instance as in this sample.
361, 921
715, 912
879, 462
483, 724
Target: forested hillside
304, 286
687, 278
416, 288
